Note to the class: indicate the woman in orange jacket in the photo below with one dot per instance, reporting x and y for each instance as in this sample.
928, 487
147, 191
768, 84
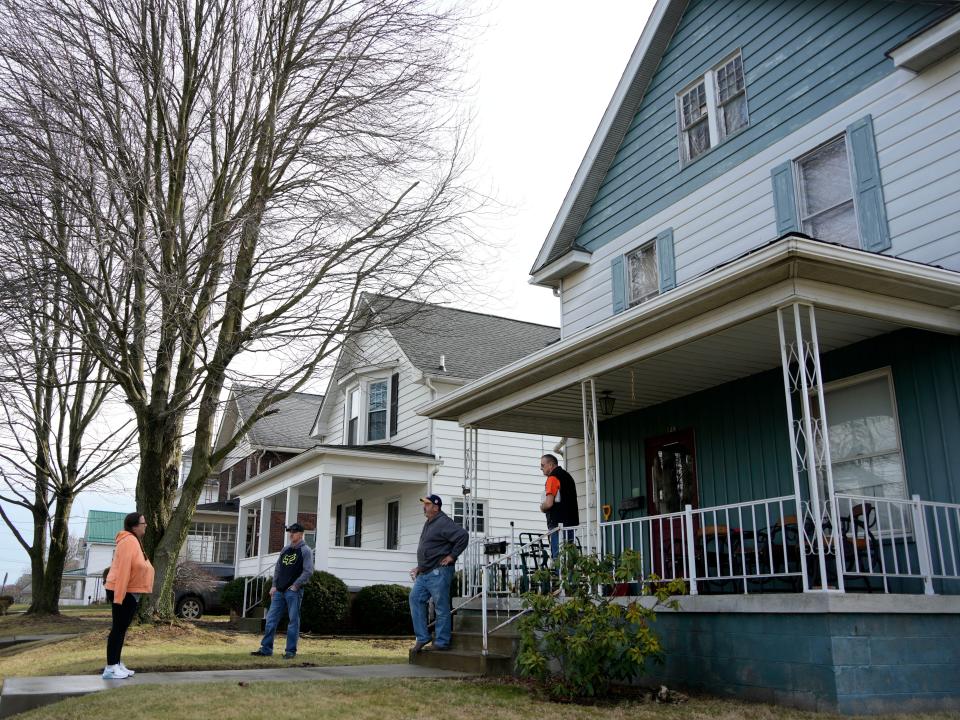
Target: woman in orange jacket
131, 575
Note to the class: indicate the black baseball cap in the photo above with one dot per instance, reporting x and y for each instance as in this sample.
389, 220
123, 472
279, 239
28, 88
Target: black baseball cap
295, 527
435, 499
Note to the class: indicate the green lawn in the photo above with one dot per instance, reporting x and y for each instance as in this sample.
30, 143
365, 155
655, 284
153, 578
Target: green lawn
386, 700
191, 647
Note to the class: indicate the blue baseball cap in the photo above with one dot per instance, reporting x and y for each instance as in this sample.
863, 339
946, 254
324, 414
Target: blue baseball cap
435, 499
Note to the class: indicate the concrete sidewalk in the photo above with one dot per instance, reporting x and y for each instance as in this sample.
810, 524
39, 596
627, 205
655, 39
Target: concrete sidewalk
22, 694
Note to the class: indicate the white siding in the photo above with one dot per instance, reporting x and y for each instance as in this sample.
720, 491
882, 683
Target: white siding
412, 429
508, 476
917, 125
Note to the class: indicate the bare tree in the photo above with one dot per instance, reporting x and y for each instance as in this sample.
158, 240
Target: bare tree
53, 442
242, 172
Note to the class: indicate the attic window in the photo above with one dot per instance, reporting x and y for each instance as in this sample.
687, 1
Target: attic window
712, 108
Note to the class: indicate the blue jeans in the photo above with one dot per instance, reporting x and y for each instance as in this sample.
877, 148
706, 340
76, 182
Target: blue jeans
286, 601
555, 540
432, 584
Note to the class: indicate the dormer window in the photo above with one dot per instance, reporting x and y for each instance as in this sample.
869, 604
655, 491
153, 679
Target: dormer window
370, 408
377, 411
712, 108
353, 416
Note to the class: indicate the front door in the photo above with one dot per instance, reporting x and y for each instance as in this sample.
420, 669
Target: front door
671, 485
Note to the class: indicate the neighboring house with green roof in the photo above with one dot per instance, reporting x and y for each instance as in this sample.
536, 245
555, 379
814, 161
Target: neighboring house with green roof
98, 542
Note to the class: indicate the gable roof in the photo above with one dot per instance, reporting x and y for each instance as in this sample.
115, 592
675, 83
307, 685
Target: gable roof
288, 423
103, 526
473, 344
625, 103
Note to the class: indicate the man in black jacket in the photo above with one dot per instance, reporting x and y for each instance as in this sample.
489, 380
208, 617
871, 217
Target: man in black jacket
441, 542
560, 503
293, 570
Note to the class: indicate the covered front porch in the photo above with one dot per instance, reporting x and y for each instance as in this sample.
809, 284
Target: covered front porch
779, 424
360, 510
780, 434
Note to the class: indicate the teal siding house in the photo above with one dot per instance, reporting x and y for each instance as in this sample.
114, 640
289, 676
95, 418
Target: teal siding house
758, 376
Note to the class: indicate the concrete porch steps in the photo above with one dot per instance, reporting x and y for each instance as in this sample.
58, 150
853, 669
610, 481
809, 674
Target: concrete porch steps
466, 646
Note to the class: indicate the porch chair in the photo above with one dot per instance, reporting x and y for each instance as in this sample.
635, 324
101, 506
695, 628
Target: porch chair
719, 553
778, 549
861, 546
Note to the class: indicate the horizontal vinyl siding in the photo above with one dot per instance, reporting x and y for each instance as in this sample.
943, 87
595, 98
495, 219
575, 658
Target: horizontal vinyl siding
800, 60
373, 522
917, 129
508, 475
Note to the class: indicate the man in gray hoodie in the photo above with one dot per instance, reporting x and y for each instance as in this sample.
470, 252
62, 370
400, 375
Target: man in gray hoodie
441, 542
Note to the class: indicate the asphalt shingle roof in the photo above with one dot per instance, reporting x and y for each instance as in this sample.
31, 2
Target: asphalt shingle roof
103, 525
473, 344
290, 420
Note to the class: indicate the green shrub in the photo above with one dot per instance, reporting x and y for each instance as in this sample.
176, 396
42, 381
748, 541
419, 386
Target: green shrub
576, 646
326, 604
383, 610
231, 594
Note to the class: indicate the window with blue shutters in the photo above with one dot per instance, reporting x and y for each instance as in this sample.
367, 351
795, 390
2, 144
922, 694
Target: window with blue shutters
644, 272
834, 193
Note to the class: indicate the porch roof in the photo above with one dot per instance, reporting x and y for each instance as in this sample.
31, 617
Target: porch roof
711, 330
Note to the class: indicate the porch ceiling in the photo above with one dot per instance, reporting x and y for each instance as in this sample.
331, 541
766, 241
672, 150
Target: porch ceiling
706, 362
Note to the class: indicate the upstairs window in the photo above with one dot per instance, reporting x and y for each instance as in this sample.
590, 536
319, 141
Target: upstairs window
353, 416
643, 280
712, 108
377, 411
825, 194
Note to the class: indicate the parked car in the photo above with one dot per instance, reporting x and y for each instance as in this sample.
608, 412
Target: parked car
191, 603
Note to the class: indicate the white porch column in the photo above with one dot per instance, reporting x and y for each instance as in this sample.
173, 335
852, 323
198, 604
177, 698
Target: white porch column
809, 441
264, 543
321, 554
471, 556
591, 461
293, 503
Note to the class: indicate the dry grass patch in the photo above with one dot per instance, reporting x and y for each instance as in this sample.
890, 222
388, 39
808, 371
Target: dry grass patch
388, 700
74, 620
185, 646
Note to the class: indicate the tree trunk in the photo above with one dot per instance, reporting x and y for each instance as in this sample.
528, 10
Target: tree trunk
38, 549
48, 601
160, 454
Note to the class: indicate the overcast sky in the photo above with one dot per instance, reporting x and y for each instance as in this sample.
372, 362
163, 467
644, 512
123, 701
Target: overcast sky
543, 73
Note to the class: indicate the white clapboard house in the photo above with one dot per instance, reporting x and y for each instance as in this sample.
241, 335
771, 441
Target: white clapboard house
351, 465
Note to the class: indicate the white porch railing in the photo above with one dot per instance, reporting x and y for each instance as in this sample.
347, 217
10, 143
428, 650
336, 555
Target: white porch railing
727, 548
882, 539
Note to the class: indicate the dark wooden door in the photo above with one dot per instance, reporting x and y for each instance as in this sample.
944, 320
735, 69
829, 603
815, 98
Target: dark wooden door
671, 485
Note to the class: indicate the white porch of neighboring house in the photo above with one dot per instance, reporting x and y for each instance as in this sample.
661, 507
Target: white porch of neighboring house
807, 593
328, 490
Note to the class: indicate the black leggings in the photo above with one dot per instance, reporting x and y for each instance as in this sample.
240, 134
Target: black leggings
122, 617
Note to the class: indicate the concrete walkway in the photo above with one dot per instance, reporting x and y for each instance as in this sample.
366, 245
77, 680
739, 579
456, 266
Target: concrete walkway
22, 694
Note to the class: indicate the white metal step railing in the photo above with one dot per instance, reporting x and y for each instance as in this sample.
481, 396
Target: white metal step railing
253, 590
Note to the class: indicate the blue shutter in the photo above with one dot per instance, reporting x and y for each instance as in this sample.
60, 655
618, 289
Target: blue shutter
784, 199
666, 261
867, 189
617, 283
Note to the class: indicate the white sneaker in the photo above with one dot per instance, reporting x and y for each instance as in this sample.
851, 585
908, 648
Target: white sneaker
114, 672
128, 671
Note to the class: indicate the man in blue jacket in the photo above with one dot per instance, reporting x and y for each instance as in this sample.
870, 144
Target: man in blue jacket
441, 542
292, 571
